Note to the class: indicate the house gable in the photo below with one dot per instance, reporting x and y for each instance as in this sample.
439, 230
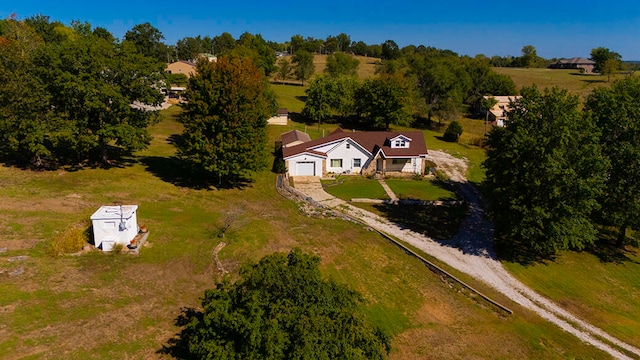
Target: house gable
400, 141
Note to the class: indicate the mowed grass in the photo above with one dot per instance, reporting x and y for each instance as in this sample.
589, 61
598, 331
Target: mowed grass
605, 294
570, 79
423, 189
350, 187
99, 306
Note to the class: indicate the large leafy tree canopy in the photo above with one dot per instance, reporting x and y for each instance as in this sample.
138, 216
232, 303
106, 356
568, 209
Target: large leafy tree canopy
341, 64
225, 119
616, 111
281, 308
600, 55
70, 99
544, 173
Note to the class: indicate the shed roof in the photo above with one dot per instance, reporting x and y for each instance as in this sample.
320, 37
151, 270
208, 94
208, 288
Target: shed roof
293, 136
107, 212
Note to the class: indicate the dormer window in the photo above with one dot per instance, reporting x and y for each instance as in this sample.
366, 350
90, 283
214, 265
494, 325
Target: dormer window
399, 142
348, 146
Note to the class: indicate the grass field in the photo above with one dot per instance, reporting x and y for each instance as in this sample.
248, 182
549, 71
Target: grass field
100, 306
572, 80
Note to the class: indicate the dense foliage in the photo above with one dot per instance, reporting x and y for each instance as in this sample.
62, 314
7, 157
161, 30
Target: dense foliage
616, 111
544, 174
452, 132
281, 308
225, 119
76, 97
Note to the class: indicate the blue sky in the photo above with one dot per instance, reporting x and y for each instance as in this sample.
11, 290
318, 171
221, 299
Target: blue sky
556, 28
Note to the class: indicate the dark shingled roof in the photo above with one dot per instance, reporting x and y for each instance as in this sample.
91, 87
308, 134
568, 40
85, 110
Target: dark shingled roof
372, 141
294, 135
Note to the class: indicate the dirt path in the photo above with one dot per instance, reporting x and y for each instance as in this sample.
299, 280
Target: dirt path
471, 252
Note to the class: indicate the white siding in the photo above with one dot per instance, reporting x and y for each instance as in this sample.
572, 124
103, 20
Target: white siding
304, 158
347, 155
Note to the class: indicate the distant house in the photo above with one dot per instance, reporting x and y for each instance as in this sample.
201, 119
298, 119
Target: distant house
181, 67
497, 115
575, 63
209, 57
362, 152
280, 118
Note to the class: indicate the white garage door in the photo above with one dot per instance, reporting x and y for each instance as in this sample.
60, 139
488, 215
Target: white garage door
305, 168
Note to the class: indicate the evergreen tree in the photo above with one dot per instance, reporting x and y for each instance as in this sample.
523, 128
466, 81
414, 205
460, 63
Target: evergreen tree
225, 119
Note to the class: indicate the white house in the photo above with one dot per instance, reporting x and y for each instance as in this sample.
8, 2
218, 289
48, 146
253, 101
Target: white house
113, 225
364, 153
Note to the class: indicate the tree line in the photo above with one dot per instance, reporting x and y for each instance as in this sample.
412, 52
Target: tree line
72, 94
558, 176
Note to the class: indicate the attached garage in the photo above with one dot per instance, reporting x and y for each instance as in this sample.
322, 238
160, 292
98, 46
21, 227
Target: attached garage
305, 168
304, 165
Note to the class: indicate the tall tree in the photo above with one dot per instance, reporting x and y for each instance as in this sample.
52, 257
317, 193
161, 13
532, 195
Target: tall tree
616, 111
225, 119
284, 69
148, 40
25, 114
265, 57
223, 43
383, 101
303, 66
544, 174
600, 55
341, 64
81, 87
390, 50
529, 56
610, 67
188, 48
93, 84
281, 308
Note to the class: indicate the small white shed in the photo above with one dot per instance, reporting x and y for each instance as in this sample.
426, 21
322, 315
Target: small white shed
115, 224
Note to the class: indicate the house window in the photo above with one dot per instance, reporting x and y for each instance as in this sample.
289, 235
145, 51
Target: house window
399, 161
336, 162
348, 146
357, 163
400, 143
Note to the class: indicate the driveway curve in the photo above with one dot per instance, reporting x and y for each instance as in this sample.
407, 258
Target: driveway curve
471, 252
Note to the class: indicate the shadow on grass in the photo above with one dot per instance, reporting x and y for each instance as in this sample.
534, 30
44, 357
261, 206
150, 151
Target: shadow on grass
519, 252
608, 251
435, 221
177, 172
178, 346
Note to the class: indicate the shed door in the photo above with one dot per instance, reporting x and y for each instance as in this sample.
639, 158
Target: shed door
305, 168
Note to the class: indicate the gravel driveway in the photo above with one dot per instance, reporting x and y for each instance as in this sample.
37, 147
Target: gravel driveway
471, 252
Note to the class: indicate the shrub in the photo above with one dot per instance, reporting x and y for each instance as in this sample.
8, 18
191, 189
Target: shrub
71, 240
453, 132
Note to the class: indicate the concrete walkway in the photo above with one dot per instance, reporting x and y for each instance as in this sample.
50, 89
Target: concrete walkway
388, 190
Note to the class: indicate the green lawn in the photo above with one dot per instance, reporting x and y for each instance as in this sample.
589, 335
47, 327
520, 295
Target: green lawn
603, 293
99, 306
420, 189
349, 187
